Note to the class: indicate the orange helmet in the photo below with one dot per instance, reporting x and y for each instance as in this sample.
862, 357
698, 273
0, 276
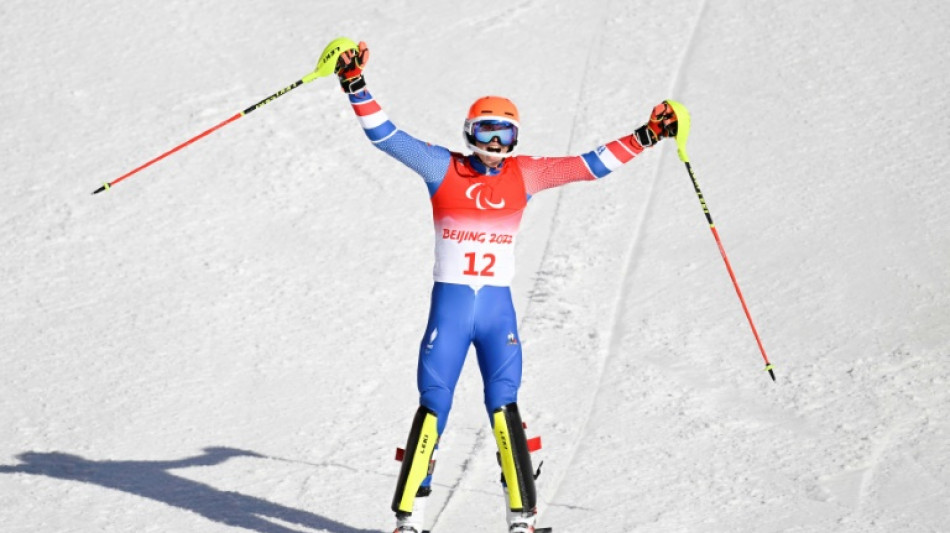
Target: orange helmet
491, 109
495, 107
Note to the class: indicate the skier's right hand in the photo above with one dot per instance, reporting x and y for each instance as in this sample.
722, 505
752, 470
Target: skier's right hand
662, 124
349, 68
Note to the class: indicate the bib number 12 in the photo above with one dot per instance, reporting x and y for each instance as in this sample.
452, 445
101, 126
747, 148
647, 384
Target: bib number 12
488, 262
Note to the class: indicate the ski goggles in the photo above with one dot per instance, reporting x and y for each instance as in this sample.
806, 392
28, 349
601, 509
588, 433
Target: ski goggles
484, 131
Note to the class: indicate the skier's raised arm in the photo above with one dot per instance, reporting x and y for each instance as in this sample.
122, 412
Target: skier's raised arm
429, 161
546, 172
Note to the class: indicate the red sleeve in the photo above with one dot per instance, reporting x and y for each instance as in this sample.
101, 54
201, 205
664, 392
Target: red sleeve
541, 173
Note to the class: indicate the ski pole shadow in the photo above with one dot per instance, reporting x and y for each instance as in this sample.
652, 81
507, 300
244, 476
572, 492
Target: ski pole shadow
153, 480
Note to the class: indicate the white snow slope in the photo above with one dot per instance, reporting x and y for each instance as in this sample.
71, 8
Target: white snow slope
227, 340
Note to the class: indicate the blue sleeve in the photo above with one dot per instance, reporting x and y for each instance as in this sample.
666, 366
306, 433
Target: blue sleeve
427, 160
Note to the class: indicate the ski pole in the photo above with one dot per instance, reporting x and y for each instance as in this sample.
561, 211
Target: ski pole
325, 67
682, 134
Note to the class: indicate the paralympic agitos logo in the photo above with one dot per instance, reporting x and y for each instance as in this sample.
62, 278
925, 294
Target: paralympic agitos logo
473, 193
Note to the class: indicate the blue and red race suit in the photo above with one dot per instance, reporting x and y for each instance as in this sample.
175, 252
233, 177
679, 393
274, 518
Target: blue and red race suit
476, 211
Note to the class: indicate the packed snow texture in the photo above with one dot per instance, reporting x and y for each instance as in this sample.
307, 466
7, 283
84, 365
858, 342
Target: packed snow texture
227, 340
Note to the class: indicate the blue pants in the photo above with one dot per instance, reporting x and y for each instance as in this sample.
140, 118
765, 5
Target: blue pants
458, 318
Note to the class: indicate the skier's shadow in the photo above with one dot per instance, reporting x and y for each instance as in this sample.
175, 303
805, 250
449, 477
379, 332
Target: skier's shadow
153, 479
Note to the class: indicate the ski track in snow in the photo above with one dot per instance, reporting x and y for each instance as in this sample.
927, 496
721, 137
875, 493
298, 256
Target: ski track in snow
626, 282
478, 444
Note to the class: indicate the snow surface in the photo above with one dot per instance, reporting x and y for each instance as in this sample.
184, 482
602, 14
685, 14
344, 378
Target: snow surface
227, 340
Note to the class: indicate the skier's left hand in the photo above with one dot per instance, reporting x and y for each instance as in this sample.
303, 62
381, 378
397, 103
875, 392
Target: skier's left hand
349, 68
662, 124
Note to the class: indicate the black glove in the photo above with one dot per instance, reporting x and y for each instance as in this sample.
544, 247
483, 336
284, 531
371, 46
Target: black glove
349, 68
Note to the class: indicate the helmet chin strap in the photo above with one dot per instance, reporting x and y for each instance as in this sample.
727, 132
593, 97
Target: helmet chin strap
479, 151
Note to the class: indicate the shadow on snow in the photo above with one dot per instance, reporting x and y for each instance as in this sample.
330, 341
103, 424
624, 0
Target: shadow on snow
153, 480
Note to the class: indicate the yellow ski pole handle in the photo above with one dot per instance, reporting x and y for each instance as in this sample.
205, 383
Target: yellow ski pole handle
325, 67
682, 135
682, 128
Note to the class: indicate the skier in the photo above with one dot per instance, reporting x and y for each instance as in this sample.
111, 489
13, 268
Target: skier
477, 203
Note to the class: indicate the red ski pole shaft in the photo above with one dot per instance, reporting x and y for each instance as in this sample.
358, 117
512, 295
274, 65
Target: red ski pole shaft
326, 66
732, 274
135, 170
207, 132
